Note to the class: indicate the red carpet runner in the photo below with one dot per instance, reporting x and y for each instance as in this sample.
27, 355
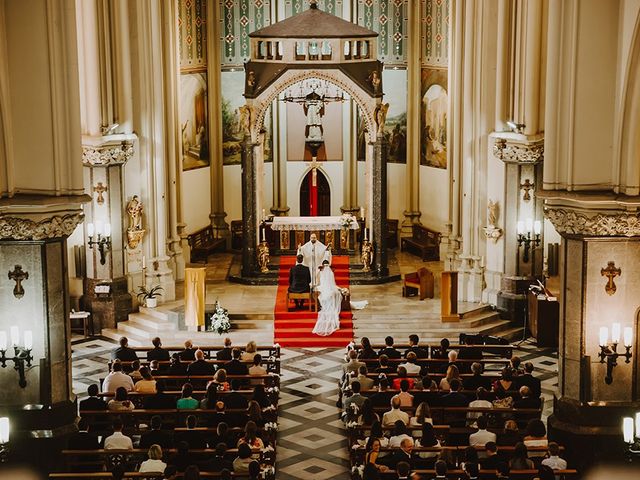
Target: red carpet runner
293, 329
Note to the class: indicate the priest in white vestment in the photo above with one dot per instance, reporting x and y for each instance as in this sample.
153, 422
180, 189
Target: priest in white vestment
314, 253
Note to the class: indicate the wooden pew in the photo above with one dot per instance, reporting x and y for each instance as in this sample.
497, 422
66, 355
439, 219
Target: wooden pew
203, 243
272, 366
502, 351
273, 350
488, 474
147, 476
199, 382
422, 240
138, 398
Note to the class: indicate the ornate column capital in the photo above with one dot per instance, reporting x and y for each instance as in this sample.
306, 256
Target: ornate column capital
108, 150
592, 214
42, 222
518, 148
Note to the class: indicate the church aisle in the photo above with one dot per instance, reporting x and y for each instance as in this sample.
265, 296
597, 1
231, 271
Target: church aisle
293, 328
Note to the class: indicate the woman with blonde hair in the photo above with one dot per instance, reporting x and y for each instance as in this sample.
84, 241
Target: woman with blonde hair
452, 372
249, 352
154, 463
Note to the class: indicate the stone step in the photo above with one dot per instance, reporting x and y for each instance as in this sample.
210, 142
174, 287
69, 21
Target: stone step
474, 321
141, 320
162, 312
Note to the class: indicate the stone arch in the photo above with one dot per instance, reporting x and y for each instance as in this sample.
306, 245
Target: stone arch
630, 124
366, 103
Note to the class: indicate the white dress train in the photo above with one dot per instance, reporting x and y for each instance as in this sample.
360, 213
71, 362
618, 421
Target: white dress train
330, 299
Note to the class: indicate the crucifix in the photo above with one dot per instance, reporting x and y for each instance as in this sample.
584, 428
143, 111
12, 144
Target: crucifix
18, 275
100, 189
527, 186
610, 272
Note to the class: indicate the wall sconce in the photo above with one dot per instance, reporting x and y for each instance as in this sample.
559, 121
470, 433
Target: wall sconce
22, 354
4, 439
515, 127
524, 236
103, 239
632, 441
609, 352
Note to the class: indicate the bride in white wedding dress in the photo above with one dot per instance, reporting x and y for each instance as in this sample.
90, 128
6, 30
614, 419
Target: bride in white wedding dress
330, 299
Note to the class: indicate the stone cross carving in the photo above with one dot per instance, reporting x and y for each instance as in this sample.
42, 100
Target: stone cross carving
527, 186
18, 276
610, 272
100, 189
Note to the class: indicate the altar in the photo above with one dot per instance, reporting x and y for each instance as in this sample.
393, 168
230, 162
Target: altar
284, 234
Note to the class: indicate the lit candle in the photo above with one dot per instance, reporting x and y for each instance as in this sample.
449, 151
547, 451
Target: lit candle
365, 234
627, 429
537, 227
99, 228
638, 425
4, 430
604, 335
615, 332
263, 215
3, 340
107, 229
15, 335
520, 227
90, 229
264, 239
628, 336
28, 339
362, 213
529, 224
144, 262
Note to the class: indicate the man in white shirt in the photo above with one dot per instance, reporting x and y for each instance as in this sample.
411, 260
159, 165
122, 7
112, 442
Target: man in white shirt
389, 418
118, 441
410, 364
117, 379
554, 461
482, 436
481, 402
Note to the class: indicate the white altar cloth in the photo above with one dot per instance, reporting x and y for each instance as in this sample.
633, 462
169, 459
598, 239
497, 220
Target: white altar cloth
311, 223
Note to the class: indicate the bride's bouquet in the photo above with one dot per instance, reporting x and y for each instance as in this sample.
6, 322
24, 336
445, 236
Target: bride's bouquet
220, 320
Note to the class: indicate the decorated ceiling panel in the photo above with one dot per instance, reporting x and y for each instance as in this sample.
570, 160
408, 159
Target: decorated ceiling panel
435, 33
389, 19
239, 18
293, 7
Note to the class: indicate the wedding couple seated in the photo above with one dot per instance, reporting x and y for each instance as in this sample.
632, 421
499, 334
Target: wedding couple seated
312, 274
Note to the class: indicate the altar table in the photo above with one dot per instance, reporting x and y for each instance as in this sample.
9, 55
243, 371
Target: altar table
293, 231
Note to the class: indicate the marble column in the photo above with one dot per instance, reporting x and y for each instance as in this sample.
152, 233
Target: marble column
379, 207
279, 173
414, 92
588, 411
249, 218
350, 160
104, 159
217, 214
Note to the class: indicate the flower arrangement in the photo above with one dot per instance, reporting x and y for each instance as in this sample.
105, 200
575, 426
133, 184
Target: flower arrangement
272, 390
352, 425
346, 221
220, 320
357, 471
271, 427
149, 296
268, 409
268, 472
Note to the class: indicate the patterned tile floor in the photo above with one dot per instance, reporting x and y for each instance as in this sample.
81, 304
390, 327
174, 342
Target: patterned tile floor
311, 440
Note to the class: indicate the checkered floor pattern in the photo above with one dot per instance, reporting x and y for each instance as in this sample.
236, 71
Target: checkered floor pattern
311, 440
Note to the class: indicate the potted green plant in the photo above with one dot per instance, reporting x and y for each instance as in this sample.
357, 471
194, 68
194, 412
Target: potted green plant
149, 297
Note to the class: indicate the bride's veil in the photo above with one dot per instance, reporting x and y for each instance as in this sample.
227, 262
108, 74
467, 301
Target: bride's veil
327, 280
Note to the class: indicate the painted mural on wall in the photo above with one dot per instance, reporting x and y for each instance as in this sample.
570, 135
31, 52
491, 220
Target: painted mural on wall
232, 135
194, 122
433, 118
395, 93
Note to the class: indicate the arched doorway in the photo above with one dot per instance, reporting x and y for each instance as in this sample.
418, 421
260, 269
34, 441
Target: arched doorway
315, 200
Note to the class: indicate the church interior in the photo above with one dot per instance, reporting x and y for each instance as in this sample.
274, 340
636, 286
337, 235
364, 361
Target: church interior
319, 239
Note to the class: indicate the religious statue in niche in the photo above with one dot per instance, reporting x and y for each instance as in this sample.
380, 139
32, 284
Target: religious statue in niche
246, 119
251, 81
366, 255
491, 231
135, 232
375, 81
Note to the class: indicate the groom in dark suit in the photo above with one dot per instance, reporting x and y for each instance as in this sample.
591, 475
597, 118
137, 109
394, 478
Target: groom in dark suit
299, 279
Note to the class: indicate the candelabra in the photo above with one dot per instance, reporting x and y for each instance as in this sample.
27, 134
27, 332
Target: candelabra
22, 353
609, 352
524, 236
103, 239
632, 441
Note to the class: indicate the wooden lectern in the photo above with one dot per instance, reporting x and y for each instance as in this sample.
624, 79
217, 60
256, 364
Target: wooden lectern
449, 295
194, 297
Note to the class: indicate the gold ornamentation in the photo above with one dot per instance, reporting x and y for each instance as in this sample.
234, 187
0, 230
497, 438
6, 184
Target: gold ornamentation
263, 257
610, 272
328, 238
135, 232
366, 255
527, 186
344, 238
381, 117
100, 189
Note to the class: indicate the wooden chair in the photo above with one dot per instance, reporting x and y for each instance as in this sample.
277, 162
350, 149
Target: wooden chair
420, 281
301, 296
